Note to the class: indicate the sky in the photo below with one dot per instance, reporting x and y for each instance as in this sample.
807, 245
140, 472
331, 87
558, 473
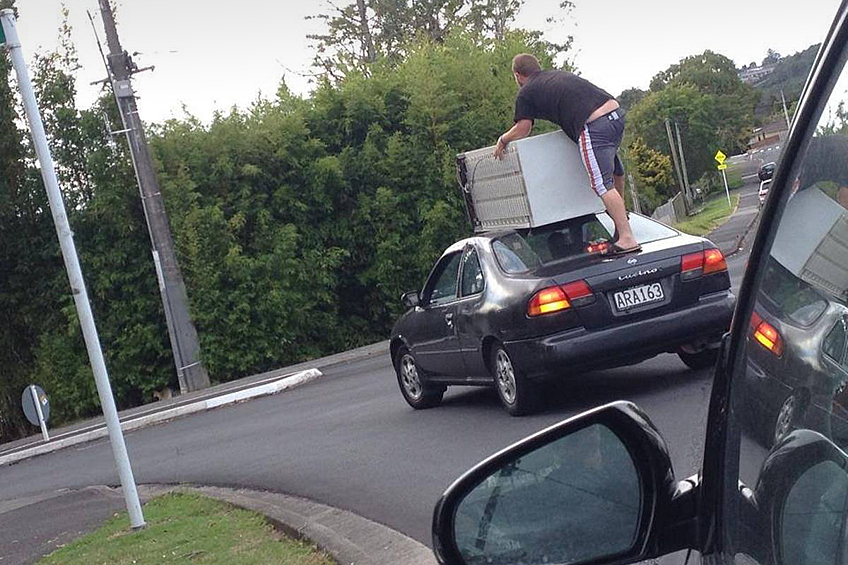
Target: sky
213, 55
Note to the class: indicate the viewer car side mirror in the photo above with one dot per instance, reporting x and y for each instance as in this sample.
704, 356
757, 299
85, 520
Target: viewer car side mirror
598, 487
800, 503
411, 299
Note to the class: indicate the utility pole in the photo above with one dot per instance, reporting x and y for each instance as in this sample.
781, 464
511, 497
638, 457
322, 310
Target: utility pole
785, 113
184, 344
676, 165
637, 206
688, 192
9, 37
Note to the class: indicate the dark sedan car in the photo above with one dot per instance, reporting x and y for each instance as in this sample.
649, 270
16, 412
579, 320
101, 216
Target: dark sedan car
797, 365
514, 307
766, 172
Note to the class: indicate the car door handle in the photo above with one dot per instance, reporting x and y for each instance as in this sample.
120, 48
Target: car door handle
449, 318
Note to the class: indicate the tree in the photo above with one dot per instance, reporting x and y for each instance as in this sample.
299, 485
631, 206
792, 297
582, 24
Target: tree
630, 97
653, 173
772, 58
709, 72
704, 96
298, 222
366, 32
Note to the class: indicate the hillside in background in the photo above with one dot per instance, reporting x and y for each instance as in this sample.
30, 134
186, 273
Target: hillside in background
789, 75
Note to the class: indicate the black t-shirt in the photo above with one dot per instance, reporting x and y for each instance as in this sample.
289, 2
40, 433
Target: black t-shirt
560, 97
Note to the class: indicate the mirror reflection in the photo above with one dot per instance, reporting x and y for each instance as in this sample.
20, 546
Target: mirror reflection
797, 347
573, 500
813, 524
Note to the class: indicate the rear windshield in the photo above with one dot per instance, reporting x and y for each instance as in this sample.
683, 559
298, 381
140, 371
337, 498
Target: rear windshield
794, 299
527, 249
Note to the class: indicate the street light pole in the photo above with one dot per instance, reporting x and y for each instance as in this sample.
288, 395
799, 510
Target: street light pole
69, 254
184, 343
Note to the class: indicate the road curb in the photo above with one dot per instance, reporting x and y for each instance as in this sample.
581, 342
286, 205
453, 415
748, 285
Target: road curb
351, 539
285, 383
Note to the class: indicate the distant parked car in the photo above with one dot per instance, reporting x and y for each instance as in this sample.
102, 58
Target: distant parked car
509, 308
764, 190
766, 171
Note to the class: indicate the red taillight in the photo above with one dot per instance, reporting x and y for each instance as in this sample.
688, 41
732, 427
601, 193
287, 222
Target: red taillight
597, 248
547, 301
693, 265
714, 261
577, 290
766, 335
558, 298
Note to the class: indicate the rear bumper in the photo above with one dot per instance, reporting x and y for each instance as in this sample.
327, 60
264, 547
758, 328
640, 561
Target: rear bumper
581, 349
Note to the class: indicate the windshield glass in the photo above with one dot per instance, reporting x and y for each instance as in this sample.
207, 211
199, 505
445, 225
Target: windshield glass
528, 249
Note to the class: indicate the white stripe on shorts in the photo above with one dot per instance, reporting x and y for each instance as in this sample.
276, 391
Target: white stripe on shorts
587, 155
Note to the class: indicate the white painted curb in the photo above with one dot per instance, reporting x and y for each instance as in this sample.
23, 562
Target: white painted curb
284, 383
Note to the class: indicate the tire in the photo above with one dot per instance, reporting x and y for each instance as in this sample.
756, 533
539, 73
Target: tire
516, 393
705, 359
784, 421
413, 385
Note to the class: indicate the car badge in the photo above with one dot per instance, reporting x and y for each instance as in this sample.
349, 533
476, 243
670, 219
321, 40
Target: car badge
632, 261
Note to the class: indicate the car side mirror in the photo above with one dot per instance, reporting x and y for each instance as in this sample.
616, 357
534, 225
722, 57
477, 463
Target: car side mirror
801, 501
597, 488
411, 299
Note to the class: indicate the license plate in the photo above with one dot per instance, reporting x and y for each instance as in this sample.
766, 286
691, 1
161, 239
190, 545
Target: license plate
637, 296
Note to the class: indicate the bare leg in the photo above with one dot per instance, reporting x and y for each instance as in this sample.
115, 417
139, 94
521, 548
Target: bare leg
615, 207
618, 183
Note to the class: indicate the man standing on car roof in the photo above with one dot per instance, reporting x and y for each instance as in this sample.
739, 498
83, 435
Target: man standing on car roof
590, 117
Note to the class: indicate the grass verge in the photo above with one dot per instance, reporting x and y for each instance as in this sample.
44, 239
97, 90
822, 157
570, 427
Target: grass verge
712, 215
183, 528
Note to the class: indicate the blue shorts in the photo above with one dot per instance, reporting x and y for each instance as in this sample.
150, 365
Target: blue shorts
599, 143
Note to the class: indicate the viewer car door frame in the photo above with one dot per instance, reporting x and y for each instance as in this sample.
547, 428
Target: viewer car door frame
719, 486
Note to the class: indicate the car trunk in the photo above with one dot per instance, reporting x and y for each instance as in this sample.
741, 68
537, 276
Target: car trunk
634, 286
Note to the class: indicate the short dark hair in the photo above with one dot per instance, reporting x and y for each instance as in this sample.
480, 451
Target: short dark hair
525, 64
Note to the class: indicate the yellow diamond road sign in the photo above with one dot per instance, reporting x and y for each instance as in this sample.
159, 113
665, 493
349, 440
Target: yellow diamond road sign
720, 157
722, 166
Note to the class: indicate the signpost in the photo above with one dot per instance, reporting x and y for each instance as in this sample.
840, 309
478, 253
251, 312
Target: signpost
721, 157
69, 254
36, 408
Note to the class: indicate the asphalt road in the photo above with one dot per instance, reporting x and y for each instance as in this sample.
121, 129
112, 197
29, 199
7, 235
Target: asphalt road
750, 163
350, 441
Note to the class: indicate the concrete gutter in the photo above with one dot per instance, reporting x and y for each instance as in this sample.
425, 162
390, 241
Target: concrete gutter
148, 419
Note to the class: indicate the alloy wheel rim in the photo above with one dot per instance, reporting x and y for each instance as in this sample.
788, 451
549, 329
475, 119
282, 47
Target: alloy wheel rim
784, 418
505, 377
409, 377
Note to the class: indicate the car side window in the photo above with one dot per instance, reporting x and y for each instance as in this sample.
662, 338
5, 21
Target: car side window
834, 343
442, 288
788, 383
472, 273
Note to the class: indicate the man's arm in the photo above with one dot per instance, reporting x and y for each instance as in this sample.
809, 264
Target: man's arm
519, 130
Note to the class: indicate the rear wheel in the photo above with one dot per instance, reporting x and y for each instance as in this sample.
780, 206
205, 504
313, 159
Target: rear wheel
704, 359
784, 422
517, 394
415, 390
